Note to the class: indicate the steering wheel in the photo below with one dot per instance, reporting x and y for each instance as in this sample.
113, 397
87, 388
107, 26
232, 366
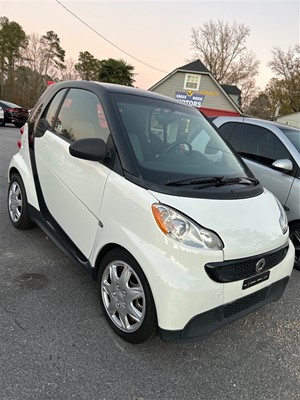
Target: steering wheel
176, 144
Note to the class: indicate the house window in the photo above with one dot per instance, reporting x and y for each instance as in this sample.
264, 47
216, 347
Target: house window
192, 82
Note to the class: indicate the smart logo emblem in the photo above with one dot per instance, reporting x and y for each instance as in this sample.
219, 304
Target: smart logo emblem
260, 265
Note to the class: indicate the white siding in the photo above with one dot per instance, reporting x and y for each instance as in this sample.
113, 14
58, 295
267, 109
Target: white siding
290, 119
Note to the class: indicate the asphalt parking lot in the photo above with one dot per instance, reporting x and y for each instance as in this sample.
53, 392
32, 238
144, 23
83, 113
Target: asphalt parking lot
56, 345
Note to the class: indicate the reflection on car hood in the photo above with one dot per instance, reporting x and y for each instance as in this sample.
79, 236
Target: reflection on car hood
248, 225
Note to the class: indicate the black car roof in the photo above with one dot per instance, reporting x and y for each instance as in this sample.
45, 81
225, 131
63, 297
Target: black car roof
112, 88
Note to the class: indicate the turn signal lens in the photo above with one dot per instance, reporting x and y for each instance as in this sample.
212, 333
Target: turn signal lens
180, 228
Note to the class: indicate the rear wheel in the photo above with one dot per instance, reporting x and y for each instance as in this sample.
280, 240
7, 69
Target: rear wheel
126, 298
17, 204
2, 123
295, 238
18, 125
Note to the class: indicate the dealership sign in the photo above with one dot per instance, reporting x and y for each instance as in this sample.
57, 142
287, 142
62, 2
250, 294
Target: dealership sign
190, 98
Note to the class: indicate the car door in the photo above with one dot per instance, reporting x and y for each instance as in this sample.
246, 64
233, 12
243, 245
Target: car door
260, 147
72, 188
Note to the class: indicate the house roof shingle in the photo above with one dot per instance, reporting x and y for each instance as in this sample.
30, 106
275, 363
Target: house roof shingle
195, 66
231, 89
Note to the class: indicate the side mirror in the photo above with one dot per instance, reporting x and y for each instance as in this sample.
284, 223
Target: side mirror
91, 149
283, 165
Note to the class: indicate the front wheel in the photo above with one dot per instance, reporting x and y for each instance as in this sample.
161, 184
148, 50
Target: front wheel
295, 238
17, 204
126, 298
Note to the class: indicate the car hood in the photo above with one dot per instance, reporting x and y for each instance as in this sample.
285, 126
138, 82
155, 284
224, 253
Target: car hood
247, 227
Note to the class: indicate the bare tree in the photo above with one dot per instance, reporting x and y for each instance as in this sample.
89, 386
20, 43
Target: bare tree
34, 63
34, 60
249, 92
286, 65
222, 49
285, 89
33, 54
69, 71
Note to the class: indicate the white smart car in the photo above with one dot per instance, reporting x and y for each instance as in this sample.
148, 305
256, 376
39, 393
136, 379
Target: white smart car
143, 192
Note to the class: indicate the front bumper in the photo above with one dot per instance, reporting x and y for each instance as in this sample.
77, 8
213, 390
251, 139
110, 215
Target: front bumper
203, 325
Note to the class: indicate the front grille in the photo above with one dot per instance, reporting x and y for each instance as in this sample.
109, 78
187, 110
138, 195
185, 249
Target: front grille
235, 270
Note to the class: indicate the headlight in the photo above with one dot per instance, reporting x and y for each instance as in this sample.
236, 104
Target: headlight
178, 227
283, 221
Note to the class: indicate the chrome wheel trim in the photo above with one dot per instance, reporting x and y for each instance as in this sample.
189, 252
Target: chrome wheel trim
123, 296
295, 238
15, 202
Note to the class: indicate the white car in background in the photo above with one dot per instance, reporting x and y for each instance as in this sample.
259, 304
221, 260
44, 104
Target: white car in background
272, 152
1, 115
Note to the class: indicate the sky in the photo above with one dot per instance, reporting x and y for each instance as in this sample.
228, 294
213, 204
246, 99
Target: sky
155, 36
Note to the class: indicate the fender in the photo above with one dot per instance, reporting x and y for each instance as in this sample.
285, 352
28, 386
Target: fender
22, 165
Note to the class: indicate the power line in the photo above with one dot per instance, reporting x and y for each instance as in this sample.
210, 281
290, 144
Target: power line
104, 38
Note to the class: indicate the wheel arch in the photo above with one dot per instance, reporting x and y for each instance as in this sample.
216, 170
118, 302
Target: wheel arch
21, 166
114, 246
148, 326
102, 253
13, 171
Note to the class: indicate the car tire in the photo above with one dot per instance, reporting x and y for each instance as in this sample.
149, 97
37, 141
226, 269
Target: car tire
295, 238
125, 297
18, 125
2, 123
17, 204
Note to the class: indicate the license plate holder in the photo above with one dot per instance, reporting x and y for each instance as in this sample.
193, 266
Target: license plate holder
255, 280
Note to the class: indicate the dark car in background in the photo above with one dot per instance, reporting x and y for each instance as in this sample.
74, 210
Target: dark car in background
13, 114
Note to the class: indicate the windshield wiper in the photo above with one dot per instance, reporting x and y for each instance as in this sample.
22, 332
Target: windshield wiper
212, 181
194, 181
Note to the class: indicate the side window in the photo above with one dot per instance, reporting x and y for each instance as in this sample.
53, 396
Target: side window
81, 116
232, 131
260, 144
53, 107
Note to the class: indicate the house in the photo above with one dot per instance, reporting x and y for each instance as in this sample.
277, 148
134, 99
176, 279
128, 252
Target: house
290, 119
193, 84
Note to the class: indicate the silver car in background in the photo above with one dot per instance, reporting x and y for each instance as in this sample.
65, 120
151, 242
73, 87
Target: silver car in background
272, 152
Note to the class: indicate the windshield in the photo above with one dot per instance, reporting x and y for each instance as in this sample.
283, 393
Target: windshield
171, 141
293, 135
